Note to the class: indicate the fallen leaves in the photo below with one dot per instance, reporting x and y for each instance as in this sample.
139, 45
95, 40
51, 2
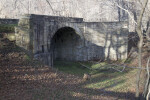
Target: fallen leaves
23, 80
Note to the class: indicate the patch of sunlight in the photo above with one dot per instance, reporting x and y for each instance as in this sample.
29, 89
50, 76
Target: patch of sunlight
78, 94
121, 87
96, 75
77, 68
106, 73
126, 85
101, 84
71, 67
99, 65
110, 83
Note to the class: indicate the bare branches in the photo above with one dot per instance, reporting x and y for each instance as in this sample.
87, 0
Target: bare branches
126, 10
15, 3
140, 44
108, 66
49, 3
118, 66
85, 66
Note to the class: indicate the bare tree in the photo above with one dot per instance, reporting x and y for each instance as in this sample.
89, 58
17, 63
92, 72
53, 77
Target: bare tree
140, 22
140, 44
121, 5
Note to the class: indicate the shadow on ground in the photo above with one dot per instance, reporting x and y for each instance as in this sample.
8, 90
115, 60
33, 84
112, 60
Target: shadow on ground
22, 79
44, 83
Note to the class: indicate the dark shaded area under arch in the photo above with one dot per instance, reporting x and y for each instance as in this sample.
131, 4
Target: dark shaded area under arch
67, 45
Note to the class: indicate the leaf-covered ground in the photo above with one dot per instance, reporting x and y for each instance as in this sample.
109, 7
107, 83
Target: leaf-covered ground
22, 78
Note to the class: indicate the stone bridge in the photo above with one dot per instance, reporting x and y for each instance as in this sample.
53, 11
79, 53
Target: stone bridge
52, 38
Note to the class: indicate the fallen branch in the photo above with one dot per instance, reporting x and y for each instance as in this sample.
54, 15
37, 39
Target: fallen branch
118, 69
85, 66
104, 67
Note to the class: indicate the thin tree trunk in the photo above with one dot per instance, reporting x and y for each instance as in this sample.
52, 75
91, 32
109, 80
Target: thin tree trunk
147, 97
140, 44
147, 81
139, 71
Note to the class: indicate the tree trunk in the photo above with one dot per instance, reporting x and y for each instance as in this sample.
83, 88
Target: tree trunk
140, 44
139, 64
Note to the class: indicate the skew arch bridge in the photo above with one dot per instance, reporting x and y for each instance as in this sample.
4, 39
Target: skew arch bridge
52, 38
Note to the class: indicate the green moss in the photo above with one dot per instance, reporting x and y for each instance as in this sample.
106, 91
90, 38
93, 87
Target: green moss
7, 28
77, 68
27, 57
101, 76
71, 67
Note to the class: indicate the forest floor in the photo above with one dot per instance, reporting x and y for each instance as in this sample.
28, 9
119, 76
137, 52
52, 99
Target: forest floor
22, 78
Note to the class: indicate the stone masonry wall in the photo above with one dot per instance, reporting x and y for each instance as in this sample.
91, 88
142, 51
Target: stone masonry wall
89, 41
24, 34
112, 36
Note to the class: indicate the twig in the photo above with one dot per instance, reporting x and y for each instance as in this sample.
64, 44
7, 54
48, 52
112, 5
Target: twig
50, 6
125, 11
118, 69
85, 66
105, 66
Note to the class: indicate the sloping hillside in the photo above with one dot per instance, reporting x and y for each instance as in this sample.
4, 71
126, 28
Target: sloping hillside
22, 78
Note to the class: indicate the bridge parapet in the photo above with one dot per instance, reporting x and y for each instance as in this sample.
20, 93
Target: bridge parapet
55, 18
96, 40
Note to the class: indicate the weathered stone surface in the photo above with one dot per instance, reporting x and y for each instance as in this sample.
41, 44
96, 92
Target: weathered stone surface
9, 21
24, 34
52, 37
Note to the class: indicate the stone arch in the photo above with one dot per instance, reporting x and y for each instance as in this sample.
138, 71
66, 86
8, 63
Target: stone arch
70, 25
64, 44
54, 28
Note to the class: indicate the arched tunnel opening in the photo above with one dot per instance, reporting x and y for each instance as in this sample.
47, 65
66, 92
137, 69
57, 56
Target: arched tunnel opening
64, 44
